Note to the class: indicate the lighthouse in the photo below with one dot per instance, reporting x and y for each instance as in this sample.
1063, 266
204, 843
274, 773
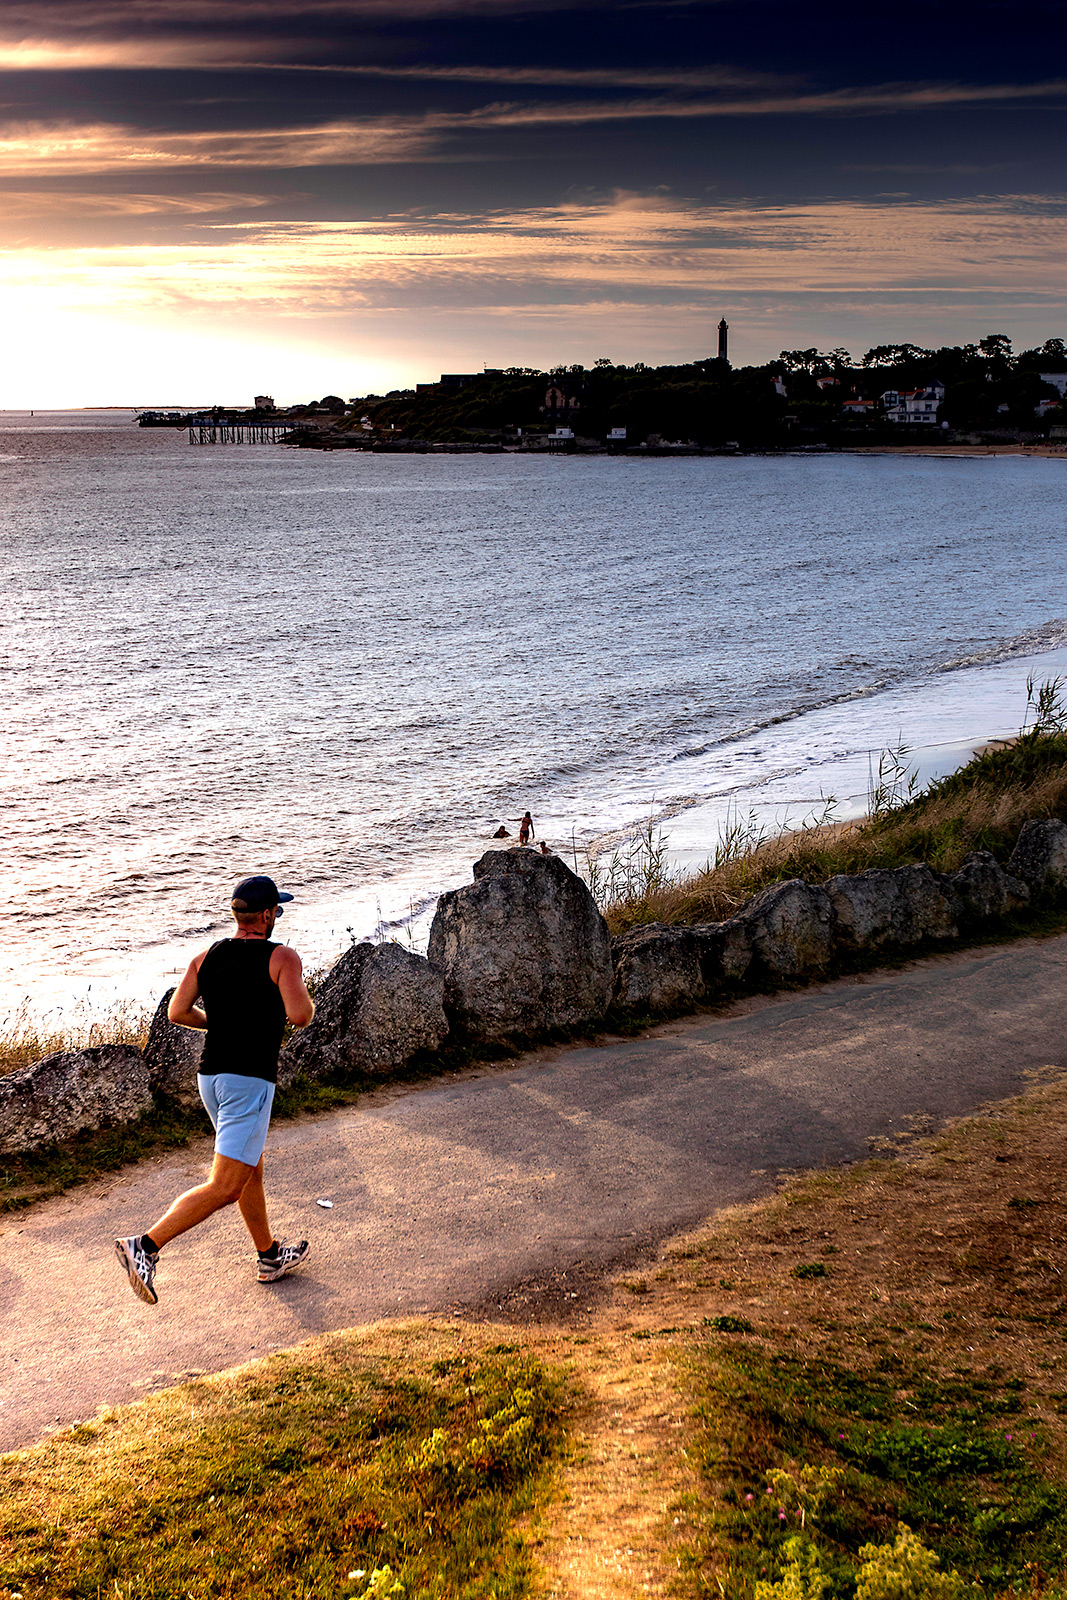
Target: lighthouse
723, 331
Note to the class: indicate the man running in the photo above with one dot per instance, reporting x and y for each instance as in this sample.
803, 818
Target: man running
247, 987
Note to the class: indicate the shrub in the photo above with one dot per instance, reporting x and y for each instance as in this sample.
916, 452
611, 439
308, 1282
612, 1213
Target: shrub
904, 1570
802, 1576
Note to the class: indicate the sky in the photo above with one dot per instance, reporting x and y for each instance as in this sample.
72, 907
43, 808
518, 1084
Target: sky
209, 200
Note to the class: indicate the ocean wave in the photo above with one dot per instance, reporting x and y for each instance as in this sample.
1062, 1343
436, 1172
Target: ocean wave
1034, 641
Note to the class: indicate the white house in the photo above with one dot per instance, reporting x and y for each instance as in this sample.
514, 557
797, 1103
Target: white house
913, 405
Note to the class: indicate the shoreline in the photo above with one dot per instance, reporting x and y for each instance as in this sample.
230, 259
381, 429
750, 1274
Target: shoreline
128, 1016
642, 452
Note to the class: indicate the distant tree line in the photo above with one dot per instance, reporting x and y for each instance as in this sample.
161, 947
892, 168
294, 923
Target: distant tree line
708, 402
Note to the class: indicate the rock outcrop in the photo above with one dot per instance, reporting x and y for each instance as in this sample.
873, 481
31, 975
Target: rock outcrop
880, 909
523, 949
785, 930
985, 891
658, 968
70, 1092
379, 1005
1040, 856
172, 1056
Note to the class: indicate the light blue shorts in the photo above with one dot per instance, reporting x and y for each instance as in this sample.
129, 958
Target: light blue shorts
239, 1109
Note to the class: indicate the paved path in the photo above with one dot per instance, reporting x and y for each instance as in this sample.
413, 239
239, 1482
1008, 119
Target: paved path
454, 1193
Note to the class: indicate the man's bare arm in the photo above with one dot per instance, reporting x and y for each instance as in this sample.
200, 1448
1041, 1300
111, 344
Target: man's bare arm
288, 974
183, 1008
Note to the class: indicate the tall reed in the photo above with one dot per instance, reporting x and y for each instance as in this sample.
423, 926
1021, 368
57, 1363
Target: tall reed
980, 807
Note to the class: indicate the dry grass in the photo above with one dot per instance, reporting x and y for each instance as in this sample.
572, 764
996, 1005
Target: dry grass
981, 807
25, 1038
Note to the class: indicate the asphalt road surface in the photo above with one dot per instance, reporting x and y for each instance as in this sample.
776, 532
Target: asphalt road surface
511, 1187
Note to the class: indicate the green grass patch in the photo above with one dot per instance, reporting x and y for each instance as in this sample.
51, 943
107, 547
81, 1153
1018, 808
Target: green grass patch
348, 1470
801, 1449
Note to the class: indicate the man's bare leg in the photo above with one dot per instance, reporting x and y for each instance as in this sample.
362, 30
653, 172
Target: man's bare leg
253, 1208
225, 1186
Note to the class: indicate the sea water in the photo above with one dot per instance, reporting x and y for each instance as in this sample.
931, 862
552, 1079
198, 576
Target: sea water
348, 670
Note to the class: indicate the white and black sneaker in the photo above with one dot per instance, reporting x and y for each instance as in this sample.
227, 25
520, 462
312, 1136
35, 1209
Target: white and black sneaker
274, 1264
139, 1267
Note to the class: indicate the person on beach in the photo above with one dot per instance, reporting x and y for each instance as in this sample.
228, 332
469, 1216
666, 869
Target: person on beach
526, 829
247, 987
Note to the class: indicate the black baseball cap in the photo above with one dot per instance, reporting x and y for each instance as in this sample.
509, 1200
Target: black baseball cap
257, 894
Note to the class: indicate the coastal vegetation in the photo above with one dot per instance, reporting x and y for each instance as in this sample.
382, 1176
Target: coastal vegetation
25, 1037
980, 807
804, 396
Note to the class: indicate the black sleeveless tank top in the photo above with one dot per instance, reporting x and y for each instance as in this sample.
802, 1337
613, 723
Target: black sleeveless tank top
245, 1012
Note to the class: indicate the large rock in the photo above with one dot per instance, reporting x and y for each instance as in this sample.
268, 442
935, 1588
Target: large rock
523, 949
881, 908
70, 1092
985, 890
1040, 856
172, 1055
377, 1007
658, 968
785, 930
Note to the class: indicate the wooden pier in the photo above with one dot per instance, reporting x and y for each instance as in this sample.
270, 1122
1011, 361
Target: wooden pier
212, 431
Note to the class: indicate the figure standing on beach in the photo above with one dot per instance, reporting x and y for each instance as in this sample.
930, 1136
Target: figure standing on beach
247, 987
526, 829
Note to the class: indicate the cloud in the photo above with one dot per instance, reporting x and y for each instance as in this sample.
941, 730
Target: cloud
43, 147
226, 51
118, 19
22, 205
37, 54
631, 250
38, 148
637, 276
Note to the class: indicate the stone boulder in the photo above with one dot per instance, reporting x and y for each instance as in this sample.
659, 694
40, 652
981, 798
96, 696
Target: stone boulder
523, 949
985, 890
725, 949
1040, 856
377, 1007
658, 968
880, 908
71, 1092
785, 931
172, 1056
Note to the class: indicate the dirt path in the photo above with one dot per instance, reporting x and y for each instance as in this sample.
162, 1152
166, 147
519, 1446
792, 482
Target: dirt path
514, 1188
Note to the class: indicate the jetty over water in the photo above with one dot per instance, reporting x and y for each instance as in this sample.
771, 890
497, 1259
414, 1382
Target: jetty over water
213, 430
